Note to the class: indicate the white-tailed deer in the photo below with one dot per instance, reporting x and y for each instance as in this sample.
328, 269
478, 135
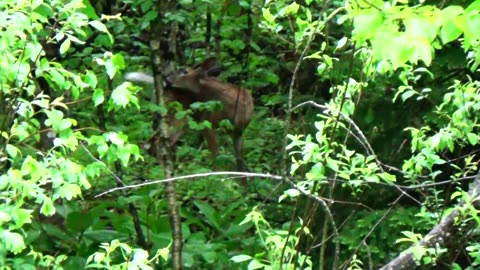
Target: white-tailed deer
237, 102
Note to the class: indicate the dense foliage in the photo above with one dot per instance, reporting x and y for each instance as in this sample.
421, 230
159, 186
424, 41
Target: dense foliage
363, 144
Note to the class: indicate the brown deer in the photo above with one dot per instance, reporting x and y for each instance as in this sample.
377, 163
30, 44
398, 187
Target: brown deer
237, 102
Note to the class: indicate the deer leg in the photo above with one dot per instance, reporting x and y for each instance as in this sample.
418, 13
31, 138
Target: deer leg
211, 138
238, 147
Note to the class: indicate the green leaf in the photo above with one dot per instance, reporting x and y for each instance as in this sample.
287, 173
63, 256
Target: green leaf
423, 51
400, 50
317, 172
418, 252
450, 32
79, 222
292, 8
140, 256
254, 264
268, 16
293, 193
241, 258
48, 209
43, 12
65, 46
34, 50
98, 97
57, 77
4, 217
99, 26
332, 164
366, 23
372, 178
118, 61
408, 94
12, 241
341, 43
91, 79
36, 3
421, 27
163, 253
451, 12
69, 191
211, 215
150, 16
12, 151
121, 96
472, 138
21, 216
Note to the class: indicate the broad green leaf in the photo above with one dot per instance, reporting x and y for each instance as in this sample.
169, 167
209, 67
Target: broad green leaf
91, 79
422, 27
366, 23
12, 151
212, 216
21, 216
293, 193
57, 77
69, 191
98, 97
341, 43
450, 32
36, 3
418, 252
4, 217
164, 253
292, 8
423, 51
12, 241
317, 172
140, 256
268, 16
408, 94
48, 209
451, 12
472, 138
241, 258
121, 96
118, 61
99, 26
372, 178
399, 50
65, 46
254, 264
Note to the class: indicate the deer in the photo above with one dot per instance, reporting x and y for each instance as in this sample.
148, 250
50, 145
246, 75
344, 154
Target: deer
200, 84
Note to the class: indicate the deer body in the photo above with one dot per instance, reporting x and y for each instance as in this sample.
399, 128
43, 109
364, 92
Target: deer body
237, 103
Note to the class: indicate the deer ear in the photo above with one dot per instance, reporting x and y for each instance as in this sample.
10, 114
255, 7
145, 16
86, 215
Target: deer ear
215, 71
209, 63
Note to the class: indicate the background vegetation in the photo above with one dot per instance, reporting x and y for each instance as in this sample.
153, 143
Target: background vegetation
364, 140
